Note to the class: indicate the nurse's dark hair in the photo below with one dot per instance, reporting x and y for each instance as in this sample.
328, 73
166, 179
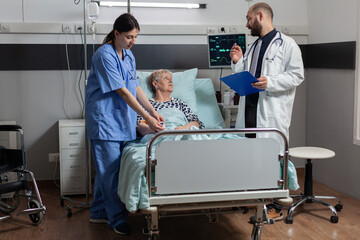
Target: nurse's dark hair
264, 7
155, 76
124, 23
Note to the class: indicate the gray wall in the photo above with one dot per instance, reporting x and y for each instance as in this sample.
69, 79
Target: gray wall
330, 118
330, 98
36, 101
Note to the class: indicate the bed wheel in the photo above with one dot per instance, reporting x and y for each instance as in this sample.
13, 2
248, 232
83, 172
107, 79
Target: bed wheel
245, 210
69, 213
338, 207
334, 219
256, 232
289, 220
145, 231
213, 218
36, 218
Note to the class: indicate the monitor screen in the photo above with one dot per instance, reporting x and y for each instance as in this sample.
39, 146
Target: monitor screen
219, 48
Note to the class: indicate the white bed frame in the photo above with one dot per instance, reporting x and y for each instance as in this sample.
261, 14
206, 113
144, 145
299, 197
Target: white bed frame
213, 176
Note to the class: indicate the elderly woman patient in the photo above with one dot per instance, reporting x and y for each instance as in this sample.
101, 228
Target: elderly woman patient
179, 115
133, 188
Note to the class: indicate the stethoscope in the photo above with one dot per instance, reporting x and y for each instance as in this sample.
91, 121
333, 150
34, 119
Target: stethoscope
271, 44
133, 76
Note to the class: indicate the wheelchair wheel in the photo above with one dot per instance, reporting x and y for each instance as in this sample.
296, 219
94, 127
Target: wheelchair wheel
8, 205
10, 201
36, 218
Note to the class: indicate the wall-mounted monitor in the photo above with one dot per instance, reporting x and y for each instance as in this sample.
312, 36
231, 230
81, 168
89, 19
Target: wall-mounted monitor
219, 48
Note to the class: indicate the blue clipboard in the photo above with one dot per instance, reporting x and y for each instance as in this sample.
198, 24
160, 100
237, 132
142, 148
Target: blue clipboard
241, 83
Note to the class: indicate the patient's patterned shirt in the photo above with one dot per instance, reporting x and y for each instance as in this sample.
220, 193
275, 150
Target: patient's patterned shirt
175, 103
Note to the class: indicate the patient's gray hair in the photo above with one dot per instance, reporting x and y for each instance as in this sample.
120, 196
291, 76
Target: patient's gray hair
155, 76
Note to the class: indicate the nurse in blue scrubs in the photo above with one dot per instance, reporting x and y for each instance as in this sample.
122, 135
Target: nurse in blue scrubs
113, 99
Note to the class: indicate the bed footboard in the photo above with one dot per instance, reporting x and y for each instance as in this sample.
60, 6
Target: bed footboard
215, 174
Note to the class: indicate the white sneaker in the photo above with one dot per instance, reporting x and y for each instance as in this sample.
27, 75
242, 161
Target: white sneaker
98, 220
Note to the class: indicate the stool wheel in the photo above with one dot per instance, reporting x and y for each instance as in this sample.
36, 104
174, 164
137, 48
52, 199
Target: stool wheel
69, 213
338, 207
289, 219
334, 219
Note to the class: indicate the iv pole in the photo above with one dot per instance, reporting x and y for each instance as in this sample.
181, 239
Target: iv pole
88, 152
87, 145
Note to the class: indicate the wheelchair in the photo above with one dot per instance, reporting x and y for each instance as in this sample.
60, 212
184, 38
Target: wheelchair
13, 181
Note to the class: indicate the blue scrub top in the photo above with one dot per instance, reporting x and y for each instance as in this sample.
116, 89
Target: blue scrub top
108, 116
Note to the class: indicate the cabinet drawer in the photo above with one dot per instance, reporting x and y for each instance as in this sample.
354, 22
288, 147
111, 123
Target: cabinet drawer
73, 154
72, 187
77, 164
72, 137
73, 176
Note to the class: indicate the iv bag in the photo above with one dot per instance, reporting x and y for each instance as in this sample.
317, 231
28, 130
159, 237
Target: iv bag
93, 11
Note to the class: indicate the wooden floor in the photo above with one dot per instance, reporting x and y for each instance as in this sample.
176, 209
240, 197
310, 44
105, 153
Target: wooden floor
310, 222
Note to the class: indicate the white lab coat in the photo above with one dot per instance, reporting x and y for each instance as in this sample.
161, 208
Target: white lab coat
284, 74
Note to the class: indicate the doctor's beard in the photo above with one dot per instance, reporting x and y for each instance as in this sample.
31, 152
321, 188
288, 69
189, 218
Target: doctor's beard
255, 30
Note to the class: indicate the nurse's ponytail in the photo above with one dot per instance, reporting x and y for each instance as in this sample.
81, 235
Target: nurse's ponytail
124, 23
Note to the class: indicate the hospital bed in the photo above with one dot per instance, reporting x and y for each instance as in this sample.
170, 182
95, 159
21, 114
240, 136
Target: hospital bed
210, 177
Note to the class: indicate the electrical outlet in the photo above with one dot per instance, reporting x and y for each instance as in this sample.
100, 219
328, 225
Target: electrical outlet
79, 28
223, 29
211, 30
5, 27
234, 29
285, 29
66, 28
54, 157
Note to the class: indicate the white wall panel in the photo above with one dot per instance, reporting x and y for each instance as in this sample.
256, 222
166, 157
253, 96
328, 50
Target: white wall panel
217, 12
11, 11
333, 21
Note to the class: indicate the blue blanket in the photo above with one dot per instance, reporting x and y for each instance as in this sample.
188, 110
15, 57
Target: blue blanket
133, 188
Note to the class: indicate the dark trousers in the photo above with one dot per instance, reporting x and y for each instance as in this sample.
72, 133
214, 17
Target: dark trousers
250, 119
251, 112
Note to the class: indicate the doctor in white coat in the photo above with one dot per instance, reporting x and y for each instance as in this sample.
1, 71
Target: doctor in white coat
279, 73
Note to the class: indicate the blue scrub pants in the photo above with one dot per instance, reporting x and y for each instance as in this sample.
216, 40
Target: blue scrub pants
106, 203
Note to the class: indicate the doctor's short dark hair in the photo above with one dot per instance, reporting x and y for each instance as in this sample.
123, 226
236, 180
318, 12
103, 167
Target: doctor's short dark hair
155, 76
124, 23
263, 6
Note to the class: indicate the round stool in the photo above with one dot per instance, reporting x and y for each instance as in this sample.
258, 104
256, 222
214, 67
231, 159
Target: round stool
311, 153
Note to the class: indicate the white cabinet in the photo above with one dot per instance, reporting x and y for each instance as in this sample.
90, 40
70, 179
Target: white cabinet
73, 158
8, 140
229, 113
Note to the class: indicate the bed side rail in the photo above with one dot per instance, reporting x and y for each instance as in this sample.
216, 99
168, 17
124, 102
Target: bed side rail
158, 135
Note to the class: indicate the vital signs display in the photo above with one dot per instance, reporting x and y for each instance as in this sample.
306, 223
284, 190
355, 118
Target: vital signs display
219, 48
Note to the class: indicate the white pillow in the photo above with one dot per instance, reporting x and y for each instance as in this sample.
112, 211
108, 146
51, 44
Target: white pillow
184, 86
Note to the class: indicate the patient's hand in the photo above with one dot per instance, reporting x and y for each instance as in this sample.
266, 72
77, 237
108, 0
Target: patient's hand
182, 127
158, 117
154, 124
144, 129
188, 125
